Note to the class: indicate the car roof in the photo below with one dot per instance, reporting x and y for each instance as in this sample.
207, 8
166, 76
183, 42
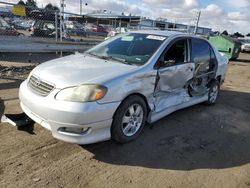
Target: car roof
162, 33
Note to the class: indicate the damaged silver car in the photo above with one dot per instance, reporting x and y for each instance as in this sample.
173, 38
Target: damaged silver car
116, 87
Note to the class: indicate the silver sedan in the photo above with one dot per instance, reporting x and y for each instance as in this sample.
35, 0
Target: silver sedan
116, 87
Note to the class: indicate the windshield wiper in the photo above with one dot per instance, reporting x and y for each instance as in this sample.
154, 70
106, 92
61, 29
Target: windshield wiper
101, 57
120, 60
124, 61
92, 54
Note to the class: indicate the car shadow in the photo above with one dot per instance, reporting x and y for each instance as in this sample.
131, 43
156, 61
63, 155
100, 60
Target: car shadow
21, 121
29, 128
197, 137
242, 60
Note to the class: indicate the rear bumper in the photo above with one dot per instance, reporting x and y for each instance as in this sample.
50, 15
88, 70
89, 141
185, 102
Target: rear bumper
80, 123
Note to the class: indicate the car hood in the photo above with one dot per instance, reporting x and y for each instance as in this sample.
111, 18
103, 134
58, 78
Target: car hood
80, 69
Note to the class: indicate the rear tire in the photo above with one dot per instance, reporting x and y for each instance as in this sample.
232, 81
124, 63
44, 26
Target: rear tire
129, 119
213, 92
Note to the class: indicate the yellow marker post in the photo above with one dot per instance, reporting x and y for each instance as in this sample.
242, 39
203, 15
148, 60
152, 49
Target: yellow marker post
18, 10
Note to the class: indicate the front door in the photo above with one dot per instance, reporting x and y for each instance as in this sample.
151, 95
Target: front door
174, 71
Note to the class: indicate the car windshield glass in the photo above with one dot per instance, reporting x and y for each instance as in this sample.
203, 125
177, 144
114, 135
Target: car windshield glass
132, 48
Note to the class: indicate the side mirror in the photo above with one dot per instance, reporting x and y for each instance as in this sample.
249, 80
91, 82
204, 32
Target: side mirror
169, 62
162, 63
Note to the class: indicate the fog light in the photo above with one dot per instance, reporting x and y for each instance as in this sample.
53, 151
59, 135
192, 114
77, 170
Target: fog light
74, 130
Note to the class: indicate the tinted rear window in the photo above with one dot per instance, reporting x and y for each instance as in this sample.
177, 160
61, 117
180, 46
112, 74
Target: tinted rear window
200, 51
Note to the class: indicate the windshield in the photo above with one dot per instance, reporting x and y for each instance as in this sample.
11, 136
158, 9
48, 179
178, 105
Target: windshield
132, 48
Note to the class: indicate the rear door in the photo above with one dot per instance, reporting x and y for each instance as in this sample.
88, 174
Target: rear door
205, 66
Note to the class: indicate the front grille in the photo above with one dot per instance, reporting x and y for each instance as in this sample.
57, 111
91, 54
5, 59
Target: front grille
40, 87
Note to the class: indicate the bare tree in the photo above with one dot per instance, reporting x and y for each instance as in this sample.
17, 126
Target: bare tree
237, 34
225, 32
21, 3
31, 3
51, 7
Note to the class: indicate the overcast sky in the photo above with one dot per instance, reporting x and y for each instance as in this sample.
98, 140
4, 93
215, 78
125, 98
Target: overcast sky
231, 15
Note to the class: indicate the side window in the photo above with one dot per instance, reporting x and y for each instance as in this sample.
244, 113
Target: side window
200, 51
203, 56
176, 54
213, 60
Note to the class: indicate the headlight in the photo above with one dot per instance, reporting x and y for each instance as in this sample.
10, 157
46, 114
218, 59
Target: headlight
82, 93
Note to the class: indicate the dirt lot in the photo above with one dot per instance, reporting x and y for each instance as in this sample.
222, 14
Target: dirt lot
196, 147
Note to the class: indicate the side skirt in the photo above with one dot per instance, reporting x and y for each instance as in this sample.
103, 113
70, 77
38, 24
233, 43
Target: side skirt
154, 116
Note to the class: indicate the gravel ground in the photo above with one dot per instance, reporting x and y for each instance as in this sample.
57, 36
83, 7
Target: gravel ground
199, 146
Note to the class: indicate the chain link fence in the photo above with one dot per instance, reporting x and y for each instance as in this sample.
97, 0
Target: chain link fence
30, 35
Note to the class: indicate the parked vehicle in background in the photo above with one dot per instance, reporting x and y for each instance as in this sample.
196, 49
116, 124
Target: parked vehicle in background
98, 28
117, 31
23, 24
45, 28
107, 28
114, 88
20, 23
6, 29
75, 28
245, 44
93, 29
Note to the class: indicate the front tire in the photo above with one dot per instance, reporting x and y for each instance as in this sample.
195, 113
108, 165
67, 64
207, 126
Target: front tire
129, 119
213, 92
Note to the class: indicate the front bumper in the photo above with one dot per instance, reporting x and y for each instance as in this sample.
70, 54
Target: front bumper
56, 116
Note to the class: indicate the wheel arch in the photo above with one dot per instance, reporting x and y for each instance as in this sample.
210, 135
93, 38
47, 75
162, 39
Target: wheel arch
115, 130
218, 78
135, 94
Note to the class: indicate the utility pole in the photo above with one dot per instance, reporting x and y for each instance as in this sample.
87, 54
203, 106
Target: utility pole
62, 5
197, 22
80, 7
56, 24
